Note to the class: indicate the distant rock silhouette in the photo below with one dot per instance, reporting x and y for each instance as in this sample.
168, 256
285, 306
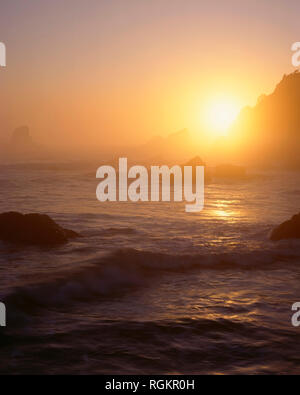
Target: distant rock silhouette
21, 137
269, 133
164, 149
32, 229
23, 148
287, 230
197, 161
21, 144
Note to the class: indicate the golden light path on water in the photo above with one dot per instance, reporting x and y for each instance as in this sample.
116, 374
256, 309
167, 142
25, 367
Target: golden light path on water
225, 209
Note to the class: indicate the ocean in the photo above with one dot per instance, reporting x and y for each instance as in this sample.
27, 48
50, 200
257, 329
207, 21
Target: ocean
149, 288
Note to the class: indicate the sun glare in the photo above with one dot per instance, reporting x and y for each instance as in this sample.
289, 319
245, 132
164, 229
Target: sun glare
220, 114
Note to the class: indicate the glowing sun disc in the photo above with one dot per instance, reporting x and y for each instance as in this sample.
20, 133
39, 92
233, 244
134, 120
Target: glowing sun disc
220, 115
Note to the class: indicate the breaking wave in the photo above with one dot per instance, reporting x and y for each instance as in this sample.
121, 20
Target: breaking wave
127, 269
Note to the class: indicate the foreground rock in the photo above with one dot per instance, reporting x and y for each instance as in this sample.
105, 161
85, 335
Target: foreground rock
287, 230
33, 229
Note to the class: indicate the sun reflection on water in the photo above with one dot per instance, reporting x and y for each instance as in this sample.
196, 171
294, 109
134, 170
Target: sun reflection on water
226, 210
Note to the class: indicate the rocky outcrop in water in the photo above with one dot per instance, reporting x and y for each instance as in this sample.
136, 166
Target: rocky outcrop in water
287, 230
23, 148
33, 229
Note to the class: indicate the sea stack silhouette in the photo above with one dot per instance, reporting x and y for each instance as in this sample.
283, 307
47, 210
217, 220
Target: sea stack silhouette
21, 137
21, 145
23, 148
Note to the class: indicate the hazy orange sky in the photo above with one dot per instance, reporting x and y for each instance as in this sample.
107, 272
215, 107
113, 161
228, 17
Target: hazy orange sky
91, 72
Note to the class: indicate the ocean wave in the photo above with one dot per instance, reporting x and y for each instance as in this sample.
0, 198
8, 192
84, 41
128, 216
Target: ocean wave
127, 269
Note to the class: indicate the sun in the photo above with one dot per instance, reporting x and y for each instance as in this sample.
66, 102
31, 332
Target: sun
220, 113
